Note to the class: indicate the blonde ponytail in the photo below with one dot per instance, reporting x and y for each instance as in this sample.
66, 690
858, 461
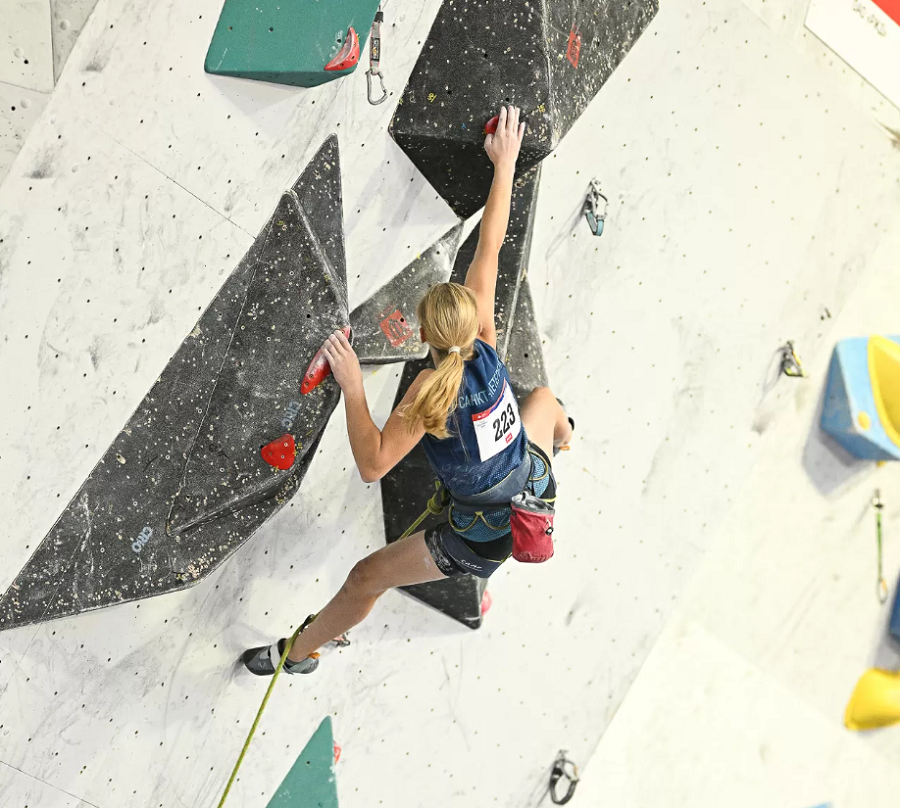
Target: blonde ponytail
448, 315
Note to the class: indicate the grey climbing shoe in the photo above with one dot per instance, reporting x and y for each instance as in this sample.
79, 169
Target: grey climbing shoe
263, 661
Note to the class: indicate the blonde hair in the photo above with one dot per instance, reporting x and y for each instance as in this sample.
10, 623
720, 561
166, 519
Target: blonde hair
448, 315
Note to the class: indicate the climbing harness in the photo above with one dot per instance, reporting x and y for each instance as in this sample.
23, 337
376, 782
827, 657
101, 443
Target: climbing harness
881, 584
560, 772
790, 361
375, 61
595, 207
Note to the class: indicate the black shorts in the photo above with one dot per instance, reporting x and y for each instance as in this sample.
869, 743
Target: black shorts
455, 554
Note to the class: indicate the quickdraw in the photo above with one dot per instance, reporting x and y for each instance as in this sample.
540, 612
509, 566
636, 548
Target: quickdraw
790, 361
881, 587
375, 62
595, 206
560, 772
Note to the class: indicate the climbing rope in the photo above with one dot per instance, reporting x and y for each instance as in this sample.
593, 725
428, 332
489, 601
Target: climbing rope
881, 585
436, 505
262, 707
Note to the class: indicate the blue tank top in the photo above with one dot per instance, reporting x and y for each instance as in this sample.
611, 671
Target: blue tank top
487, 440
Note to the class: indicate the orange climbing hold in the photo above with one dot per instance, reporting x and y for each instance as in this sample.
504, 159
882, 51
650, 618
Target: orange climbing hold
280, 453
348, 55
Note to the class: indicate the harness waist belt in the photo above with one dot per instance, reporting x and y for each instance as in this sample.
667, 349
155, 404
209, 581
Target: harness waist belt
499, 495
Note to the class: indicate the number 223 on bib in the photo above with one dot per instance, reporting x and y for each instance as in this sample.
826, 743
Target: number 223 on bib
499, 426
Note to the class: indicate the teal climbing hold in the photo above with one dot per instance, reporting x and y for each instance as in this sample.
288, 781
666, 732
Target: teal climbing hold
310, 782
302, 43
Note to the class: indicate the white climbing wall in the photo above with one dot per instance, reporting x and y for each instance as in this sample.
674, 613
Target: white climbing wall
36, 37
749, 192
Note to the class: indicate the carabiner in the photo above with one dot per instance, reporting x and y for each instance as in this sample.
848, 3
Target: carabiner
790, 361
370, 84
558, 773
595, 208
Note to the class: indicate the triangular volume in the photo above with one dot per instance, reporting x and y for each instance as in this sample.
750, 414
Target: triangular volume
319, 193
548, 57
386, 327
524, 356
408, 486
311, 781
295, 300
301, 43
110, 544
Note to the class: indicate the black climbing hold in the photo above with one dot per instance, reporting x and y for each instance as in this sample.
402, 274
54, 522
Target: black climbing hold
197, 433
404, 491
547, 57
407, 487
385, 327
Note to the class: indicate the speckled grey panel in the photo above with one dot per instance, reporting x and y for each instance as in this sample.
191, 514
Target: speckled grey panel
110, 545
385, 327
297, 297
524, 356
548, 57
405, 490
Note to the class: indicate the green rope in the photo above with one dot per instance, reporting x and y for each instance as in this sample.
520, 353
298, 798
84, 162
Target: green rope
262, 707
436, 505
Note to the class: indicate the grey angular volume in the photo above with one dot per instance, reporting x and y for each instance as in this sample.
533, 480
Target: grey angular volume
404, 491
298, 296
406, 488
548, 57
524, 356
385, 327
110, 544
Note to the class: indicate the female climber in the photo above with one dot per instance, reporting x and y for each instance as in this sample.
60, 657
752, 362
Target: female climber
476, 462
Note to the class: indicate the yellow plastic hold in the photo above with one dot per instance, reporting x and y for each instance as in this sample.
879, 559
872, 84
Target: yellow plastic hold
864, 421
875, 701
884, 373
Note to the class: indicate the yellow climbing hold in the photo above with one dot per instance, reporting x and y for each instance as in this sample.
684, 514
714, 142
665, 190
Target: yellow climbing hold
875, 701
864, 421
884, 372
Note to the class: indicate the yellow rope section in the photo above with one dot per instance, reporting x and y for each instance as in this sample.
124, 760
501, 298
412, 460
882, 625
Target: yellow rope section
435, 506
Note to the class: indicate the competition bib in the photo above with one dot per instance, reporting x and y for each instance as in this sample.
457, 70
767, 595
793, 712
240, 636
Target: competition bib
499, 426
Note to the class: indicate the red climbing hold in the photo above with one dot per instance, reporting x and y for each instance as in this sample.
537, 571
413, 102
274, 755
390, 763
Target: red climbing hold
486, 601
280, 453
490, 127
573, 49
318, 369
348, 55
337, 751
